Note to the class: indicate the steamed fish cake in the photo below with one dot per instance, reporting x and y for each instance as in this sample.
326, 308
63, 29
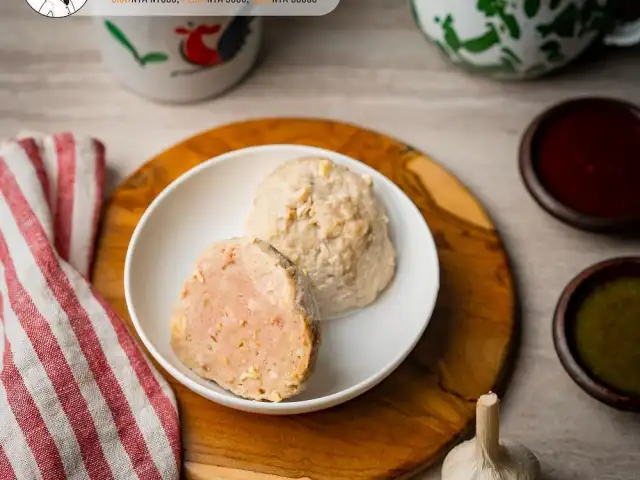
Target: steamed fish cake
327, 219
246, 319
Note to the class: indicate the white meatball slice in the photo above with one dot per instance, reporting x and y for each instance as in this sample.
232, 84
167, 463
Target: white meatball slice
247, 320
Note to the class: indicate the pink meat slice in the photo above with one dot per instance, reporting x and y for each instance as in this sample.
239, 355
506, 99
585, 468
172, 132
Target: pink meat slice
247, 320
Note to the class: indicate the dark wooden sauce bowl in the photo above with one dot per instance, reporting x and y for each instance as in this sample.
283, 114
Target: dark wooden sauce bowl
563, 327
535, 186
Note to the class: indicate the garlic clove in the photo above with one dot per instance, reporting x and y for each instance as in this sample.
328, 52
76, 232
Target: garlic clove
485, 457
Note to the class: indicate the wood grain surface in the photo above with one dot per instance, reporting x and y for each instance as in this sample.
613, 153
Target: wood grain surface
427, 404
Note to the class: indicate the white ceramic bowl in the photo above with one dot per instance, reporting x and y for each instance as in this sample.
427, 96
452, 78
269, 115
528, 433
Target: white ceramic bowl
210, 203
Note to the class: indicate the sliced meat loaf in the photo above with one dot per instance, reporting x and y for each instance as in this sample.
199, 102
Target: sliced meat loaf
247, 320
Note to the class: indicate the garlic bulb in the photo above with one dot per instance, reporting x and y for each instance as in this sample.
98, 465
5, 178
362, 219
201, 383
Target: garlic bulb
485, 457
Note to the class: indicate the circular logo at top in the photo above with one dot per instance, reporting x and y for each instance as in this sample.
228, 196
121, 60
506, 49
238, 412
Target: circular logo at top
56, 8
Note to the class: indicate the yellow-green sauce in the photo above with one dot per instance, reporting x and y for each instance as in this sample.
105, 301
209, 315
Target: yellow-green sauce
607, 334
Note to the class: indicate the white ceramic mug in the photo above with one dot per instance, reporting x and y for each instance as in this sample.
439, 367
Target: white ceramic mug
179, 59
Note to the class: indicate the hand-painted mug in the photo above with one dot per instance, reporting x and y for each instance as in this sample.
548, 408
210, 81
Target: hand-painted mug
520, 39
179, 59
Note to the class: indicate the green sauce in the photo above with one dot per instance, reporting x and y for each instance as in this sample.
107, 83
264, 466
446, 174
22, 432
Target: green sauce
607, 334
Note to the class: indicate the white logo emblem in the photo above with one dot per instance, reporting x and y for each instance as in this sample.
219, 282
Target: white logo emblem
56, 8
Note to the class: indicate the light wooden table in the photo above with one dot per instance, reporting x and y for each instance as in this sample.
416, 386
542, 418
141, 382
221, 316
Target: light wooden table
367, 63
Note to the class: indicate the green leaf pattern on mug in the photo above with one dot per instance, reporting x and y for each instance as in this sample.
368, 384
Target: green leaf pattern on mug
511, 54
450, 35
531, 7
151, 57
512, 25
154, 57
491, 8
568, 19
564, 25
121, 37
484, 42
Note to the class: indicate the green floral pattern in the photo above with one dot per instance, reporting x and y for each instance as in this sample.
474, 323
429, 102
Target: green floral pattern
120, 37
493, 8
554, 21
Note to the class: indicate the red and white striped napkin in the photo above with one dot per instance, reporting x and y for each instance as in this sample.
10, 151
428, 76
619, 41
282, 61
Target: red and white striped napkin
78, 399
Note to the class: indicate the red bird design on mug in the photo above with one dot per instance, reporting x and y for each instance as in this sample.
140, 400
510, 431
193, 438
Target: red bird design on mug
194, 49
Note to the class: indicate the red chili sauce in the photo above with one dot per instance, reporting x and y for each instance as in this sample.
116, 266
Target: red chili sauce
587, 156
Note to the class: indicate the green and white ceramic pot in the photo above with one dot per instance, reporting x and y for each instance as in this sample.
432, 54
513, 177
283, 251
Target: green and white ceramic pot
519, 39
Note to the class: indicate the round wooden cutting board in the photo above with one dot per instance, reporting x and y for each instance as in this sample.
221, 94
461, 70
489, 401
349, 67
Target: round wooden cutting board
427, 404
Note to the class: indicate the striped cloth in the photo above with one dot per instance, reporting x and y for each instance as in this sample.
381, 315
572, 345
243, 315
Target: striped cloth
78, 399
